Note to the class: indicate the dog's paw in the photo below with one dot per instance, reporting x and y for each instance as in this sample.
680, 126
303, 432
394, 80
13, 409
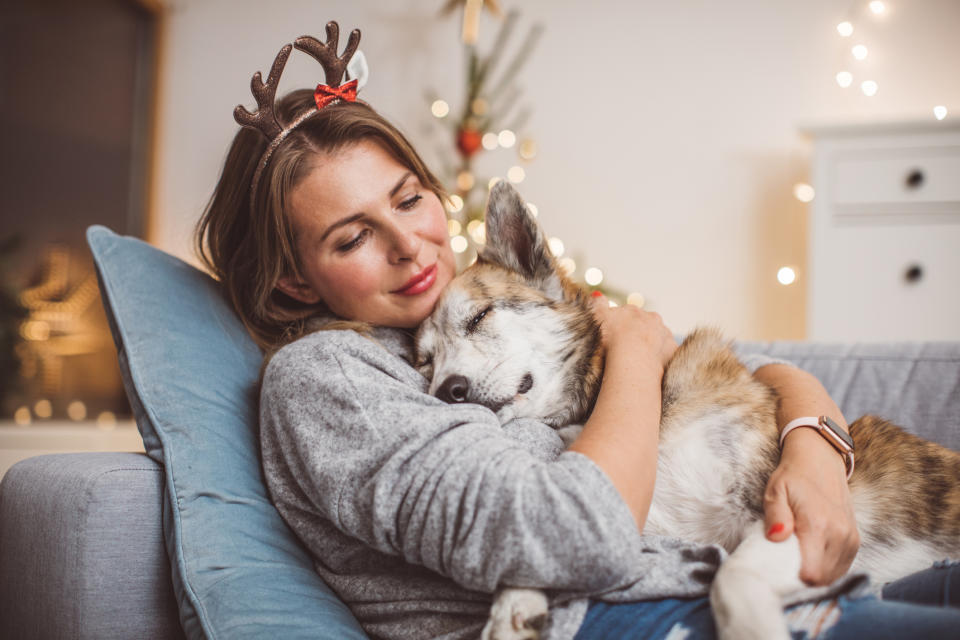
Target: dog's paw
516, 614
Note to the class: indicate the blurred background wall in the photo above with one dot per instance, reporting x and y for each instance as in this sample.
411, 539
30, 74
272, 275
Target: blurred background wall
668, 133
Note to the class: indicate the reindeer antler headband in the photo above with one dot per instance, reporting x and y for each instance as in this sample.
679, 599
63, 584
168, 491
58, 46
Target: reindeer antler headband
334, 68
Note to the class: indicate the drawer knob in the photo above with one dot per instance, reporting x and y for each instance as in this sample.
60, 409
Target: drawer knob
915, 179
913, 274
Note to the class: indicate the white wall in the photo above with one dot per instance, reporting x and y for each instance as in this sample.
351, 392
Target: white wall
668, 132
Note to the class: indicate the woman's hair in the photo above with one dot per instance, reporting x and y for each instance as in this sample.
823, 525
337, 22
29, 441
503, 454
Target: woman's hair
250, 246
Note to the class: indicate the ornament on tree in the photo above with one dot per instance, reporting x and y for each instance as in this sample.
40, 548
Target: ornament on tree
469, 141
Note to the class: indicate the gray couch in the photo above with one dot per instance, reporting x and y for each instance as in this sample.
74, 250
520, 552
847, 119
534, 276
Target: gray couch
81, 541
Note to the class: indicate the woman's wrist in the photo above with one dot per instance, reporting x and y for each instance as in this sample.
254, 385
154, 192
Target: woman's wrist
804, 446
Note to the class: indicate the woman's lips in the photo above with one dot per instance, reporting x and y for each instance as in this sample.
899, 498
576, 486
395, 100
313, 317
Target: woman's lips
420, 282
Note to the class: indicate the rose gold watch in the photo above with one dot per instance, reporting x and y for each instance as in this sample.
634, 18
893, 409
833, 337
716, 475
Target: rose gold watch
831, 432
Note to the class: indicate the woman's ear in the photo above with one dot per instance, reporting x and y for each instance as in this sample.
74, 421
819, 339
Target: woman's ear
298, 289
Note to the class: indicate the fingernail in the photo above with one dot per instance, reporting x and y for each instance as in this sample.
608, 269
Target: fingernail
775, 529
597, 294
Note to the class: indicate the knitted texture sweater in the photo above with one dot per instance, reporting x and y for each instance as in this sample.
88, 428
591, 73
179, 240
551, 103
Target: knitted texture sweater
415, 511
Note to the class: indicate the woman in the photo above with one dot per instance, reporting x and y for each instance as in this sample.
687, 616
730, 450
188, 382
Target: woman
415, 511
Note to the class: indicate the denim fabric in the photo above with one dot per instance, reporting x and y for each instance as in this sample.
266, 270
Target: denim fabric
191, 373
923, 605
940, 585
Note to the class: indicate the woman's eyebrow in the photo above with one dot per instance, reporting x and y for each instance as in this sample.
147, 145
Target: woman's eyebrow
356, 216
399, 184
340, 223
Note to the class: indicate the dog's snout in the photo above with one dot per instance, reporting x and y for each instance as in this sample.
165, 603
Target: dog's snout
454, 389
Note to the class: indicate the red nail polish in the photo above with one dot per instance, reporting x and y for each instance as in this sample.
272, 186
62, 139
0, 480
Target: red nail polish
596, 294
775, 529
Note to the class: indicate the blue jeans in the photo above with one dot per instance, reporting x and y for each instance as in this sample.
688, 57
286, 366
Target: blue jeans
922, 605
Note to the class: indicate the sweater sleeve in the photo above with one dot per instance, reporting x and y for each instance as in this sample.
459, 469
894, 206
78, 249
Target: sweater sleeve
439, 485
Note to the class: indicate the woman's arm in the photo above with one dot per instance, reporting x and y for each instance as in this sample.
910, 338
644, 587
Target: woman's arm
622, 432
350, 438
807, 493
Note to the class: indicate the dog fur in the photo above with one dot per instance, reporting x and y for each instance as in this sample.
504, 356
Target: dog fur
513, 333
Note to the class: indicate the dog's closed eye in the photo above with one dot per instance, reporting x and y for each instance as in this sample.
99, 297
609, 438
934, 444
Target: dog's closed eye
475, 321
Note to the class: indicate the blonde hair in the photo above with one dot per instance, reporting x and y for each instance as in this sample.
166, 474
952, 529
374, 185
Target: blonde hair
249, 246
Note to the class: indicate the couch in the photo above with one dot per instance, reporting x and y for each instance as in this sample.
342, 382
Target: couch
182, 541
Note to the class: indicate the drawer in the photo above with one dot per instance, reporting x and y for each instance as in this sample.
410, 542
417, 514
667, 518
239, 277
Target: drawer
896, 177
886, 282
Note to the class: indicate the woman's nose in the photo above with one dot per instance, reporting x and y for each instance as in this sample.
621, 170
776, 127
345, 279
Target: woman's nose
405, 245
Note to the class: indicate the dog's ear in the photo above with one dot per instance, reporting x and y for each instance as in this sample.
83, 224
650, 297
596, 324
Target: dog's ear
516, 242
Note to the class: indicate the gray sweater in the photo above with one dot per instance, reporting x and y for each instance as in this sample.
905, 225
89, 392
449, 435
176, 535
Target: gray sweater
416, 511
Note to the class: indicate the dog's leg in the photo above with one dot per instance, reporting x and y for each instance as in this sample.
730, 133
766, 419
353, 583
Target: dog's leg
516, 614
746, 595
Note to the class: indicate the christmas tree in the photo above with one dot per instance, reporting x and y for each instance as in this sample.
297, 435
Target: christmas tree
490, 118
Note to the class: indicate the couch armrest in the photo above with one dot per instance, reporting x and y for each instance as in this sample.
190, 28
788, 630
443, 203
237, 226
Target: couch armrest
914, 384
81, 549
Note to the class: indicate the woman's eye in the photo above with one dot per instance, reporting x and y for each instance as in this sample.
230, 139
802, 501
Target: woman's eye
477, 318
410, 203
356, 242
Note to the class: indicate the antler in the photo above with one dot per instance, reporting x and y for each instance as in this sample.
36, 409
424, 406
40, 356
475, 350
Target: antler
264, 118
326, 52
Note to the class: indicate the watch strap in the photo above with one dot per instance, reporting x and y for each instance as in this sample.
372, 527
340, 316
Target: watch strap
820, 424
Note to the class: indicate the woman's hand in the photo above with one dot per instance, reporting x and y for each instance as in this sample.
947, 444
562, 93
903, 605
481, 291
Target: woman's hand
630, 331
807, 494
621, 434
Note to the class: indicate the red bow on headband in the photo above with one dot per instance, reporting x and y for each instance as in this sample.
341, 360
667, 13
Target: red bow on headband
324, 95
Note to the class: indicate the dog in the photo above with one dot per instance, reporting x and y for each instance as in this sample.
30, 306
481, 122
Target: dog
513, 333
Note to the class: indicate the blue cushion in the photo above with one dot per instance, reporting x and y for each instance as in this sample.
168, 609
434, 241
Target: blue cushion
191, 373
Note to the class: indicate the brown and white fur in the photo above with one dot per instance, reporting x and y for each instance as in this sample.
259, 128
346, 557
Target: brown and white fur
513, 333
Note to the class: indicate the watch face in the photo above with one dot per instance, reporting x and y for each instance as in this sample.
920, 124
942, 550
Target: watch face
837, 430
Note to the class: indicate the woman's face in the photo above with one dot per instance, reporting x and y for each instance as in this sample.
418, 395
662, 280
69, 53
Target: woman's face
372, 241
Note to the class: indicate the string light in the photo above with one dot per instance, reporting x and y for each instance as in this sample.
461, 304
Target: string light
22, 416
869, 88
43, 409
803, 192
107, 420
528, 149
489, 141
479, 106
845, 29
453, 226
636, 299
76, 410
786, 276
465, 181
440, 108
455, 204
507, 138
516, 174
556, 246
593, 276
532, 208
567, 265
459, 244
477, 231
940, 112
494, 180
844, 79
859, 52
877, 7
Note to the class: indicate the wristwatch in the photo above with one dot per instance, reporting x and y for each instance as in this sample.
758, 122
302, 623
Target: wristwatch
831, 432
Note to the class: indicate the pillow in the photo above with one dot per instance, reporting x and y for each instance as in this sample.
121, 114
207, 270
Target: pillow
191, 373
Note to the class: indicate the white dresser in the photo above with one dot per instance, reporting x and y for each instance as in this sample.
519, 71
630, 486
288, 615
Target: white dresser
884, 233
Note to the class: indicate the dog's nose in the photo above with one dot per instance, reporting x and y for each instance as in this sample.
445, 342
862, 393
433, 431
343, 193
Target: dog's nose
454, 389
